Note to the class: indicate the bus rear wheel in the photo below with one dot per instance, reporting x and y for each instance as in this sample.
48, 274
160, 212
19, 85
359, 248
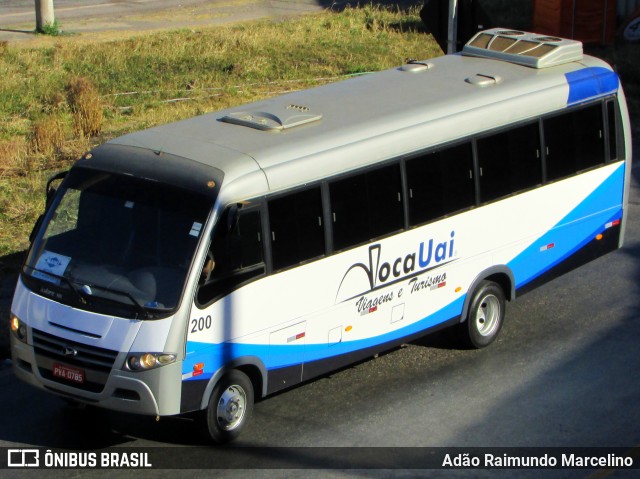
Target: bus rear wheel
230, 407
485, 316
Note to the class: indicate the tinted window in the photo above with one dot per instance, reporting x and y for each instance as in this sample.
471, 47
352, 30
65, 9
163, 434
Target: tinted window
235, 255
366, 206
440, 183
509, 162
245, 240
574, 141
297, 233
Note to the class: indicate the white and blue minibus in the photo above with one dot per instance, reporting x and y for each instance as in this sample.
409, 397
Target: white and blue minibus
208, 263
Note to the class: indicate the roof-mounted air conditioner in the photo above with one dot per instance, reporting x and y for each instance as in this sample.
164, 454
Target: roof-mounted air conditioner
524, 48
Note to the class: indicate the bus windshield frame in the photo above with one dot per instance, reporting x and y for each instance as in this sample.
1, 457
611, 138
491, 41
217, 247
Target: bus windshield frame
116, 244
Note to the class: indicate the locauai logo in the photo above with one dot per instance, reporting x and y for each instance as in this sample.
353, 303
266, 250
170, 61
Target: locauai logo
379, 272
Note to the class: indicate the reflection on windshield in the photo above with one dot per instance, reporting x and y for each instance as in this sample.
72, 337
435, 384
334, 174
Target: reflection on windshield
118, 239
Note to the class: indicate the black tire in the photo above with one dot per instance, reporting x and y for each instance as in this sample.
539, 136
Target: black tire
230, 407
484, 317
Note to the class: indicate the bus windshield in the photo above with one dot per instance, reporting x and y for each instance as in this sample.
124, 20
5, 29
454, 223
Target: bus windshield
117, 245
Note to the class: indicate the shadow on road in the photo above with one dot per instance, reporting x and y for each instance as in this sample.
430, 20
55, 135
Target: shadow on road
9, 268
17, 31
56, 424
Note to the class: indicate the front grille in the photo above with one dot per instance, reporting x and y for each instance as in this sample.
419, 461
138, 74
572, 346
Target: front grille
90, 357
96, 362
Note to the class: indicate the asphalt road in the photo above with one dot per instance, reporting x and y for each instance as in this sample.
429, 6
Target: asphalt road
73, 9
82, 17
564, 372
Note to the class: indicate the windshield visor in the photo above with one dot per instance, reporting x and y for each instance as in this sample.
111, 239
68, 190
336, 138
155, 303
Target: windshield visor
117, 245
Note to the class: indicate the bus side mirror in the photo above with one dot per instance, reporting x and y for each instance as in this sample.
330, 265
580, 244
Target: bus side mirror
53, 188
50, 193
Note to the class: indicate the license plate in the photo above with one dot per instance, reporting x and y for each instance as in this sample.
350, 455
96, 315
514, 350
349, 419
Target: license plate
69, 373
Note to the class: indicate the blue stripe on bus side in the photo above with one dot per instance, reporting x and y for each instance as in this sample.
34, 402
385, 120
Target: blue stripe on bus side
315, 352
575, 230
280, 356
590, 83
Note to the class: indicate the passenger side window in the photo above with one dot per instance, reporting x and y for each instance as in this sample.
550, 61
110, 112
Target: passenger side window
245, 240
235, 254
574, 141
509, 162
297, 230
366, 206
440, 183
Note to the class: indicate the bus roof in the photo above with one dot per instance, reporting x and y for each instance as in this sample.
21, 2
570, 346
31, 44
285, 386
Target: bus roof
308, 135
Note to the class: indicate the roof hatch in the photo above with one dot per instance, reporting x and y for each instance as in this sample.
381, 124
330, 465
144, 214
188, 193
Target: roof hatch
278, 119
415, 66
482, 80
524, 48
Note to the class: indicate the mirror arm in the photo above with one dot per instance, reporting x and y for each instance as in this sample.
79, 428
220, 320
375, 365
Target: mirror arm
50, 190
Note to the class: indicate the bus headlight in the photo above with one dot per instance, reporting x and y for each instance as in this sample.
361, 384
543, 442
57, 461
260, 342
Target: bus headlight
146, 361
18, 328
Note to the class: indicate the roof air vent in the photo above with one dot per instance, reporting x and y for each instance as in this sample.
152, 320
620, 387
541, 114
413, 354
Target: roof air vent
280, 118
481, 80
529, 49
415, 66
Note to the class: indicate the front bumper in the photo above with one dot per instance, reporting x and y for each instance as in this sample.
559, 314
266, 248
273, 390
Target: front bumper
155, 392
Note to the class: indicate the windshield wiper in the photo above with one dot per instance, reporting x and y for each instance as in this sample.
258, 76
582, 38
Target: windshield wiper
85, 291
145, 312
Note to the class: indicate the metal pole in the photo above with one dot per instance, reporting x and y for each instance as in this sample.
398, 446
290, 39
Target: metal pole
605, 22
573, 20
452, 31
44, 14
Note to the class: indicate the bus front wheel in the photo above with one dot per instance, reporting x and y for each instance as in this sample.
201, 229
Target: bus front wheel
230, 407
485, 316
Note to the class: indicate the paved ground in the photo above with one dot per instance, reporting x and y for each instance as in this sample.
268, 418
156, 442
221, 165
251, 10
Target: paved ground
17, 18
84, 17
